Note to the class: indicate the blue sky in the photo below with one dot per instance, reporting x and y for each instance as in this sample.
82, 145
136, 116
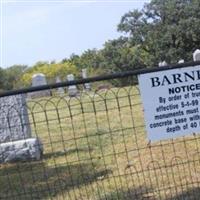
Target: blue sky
45, 31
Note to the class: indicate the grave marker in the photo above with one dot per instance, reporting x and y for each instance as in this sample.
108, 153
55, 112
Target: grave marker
60, 90
181, 61
72, 89
196, 55
14, 119
38, 80
87, 86
162, 64
16, 143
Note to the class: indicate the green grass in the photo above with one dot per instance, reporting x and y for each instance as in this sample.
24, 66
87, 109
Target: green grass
96, 148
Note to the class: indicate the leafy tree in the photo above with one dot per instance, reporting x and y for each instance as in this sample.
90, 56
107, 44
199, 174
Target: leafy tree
2, 79
50, 70
88, 59
166, 29
119, 55
12, 76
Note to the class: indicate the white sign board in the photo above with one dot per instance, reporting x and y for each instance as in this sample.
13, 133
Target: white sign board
171, 100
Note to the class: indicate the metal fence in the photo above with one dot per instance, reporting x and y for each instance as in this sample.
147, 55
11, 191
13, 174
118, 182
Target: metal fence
95, 147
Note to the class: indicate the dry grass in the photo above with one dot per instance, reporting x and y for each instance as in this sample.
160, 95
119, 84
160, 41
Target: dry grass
96, 148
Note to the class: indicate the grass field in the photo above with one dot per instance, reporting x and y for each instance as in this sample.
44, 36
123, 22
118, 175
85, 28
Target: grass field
96, 148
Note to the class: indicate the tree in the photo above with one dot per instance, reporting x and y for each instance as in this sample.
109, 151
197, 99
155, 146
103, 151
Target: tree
12, 76
166, 29
88, 59
2, 79
120, 55
51, 71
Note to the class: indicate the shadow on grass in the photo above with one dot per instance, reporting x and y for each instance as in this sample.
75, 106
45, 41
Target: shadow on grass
139, 193
67, 152
190, 194
37, 181
143, 193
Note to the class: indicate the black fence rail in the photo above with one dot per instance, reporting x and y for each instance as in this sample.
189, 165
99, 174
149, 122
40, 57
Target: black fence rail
91, 146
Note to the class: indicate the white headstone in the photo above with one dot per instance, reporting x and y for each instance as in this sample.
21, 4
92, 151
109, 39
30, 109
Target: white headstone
181, 61
21, 150
162, 64
72, 89
14, 121
196, 55
39, 80
60, 90
84, 75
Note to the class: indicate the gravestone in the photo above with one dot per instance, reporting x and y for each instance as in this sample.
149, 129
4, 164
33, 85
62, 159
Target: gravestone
60, 90
181, 61
21, 150
38, 80
15, 131
196, 55
72, 89
14, 119
87, 86
162, 64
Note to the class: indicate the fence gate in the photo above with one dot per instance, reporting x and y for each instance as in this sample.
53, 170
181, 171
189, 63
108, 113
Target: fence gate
91, 144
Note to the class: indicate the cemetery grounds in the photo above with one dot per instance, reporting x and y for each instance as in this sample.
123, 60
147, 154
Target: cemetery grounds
96, 148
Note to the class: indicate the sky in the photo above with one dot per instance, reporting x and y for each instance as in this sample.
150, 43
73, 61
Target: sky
38, 30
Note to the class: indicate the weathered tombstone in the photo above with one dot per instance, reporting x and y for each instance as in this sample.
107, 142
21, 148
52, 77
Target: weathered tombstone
14, 119
84, 75
196, 55
72, 89
21, 150
38, 80
15, 131
181, 61
60, 90
162, 64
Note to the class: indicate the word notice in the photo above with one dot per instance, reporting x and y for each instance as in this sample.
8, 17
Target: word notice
171, 101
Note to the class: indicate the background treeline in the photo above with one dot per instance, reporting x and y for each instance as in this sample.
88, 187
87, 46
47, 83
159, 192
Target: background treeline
163, 30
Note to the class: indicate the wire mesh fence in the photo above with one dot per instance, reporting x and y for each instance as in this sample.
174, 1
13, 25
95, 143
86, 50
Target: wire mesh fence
91, 146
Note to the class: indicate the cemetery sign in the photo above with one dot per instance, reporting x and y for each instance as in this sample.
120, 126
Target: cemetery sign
171, 102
